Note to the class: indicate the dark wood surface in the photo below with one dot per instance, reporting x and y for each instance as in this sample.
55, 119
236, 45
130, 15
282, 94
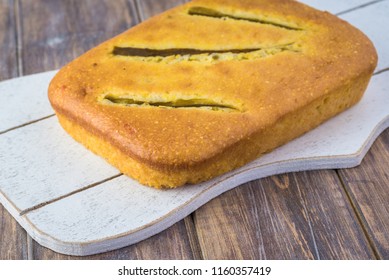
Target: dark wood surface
368, 188
302, 215
13, 238
329, 214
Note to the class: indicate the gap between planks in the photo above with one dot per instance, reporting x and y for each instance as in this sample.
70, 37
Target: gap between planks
381, 71
18, 38
30, 248
306, 213
358, 7
138, 11
360, 218
19, 71
40, 205
193, 237
27, 123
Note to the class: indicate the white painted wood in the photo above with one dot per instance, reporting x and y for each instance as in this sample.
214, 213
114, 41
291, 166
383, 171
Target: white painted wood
24, 100
40, 163
121, 212
130, 211
375, 27
336, 6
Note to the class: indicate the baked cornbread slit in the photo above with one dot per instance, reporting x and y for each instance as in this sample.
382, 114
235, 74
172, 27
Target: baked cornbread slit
207, 12
181, 102
179, 55
211, 85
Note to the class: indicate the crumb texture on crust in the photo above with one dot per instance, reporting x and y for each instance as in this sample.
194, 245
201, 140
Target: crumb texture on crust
210, 85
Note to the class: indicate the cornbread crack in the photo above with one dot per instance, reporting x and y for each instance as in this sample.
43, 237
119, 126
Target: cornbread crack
211, 85
205, 56
181, 102
203, 11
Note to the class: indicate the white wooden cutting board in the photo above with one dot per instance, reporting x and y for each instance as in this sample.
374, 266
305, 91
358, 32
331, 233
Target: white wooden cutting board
73, 202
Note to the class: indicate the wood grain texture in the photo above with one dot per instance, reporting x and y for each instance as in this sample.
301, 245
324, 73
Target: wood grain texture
368, 187
170, 244
8, 53
294, 216
53, 32
149, 8
13, 239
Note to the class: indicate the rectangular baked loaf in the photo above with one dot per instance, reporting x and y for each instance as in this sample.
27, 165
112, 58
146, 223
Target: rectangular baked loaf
211, 85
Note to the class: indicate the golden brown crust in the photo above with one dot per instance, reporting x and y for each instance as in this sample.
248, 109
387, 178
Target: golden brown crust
273, 63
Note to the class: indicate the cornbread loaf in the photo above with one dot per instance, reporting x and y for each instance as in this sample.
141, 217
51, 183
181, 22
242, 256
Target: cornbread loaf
211, 85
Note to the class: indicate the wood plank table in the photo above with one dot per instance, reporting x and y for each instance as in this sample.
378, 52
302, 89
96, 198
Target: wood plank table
328, 214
